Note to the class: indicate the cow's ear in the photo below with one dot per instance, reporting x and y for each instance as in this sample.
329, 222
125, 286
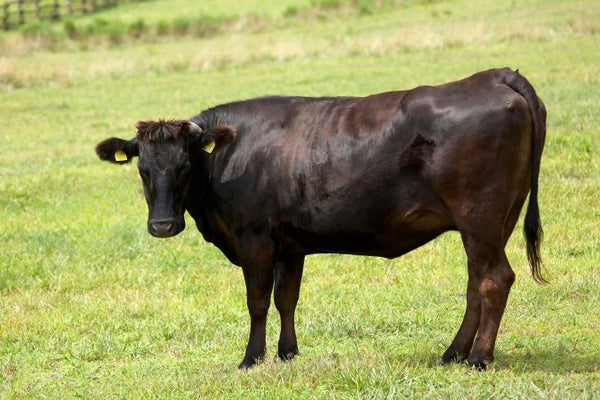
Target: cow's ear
216, 137
118, 151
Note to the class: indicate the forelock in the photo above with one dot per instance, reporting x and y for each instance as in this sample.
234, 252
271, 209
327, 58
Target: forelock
161, 130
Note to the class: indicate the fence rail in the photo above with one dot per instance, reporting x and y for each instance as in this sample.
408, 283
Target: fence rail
18, 12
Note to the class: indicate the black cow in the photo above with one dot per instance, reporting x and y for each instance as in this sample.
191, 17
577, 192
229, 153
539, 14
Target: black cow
272, 179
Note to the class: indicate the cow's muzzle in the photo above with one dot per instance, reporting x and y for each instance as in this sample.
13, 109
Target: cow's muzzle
164, 228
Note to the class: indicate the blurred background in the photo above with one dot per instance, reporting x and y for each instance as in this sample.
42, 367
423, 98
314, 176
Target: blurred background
92, 306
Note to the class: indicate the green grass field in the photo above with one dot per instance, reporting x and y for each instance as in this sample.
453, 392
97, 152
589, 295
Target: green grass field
91, 306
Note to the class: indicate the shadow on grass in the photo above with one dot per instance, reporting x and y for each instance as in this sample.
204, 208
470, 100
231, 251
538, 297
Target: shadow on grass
562, 363
554, 362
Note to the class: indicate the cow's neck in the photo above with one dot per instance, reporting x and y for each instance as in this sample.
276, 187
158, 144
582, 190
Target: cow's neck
195, 198
200, 205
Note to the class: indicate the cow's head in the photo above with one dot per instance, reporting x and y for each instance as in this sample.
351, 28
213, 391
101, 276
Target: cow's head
165, 150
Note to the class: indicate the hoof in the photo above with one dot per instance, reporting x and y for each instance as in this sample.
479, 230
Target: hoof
288, 355
452, 356
478, 364
249, 362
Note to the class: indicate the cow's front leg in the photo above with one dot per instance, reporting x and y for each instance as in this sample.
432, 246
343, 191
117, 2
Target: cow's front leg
258, 275
288, 275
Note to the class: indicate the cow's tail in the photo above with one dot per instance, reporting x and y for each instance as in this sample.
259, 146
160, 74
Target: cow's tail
533, 226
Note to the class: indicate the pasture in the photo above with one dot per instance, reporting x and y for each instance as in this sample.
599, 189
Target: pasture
92, 306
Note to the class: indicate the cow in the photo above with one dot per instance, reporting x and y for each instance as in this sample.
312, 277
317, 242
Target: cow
273, 179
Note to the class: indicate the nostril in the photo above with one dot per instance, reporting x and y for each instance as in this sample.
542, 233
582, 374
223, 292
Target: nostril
162, 226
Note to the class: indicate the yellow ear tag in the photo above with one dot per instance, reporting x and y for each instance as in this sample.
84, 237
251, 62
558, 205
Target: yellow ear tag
209, 147
120, 156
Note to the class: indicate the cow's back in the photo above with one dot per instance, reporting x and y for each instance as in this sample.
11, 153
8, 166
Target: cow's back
376, 175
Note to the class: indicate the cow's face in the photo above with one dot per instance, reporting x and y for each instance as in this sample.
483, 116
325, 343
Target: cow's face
165, 149
164, 168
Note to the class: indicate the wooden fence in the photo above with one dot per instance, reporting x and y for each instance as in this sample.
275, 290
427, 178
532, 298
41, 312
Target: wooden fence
17, 12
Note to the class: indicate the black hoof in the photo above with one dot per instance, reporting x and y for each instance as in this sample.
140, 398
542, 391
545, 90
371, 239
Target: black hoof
249, 362
287, 355
478, 365
452, 356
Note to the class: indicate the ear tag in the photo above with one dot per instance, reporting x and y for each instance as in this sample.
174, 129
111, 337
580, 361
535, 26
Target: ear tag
209, 147
120, 156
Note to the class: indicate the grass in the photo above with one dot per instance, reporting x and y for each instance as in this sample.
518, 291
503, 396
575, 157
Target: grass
92, 306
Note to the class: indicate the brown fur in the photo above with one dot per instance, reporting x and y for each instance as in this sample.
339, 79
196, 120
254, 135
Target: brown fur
166, 130
161, 130
223, 133
379, 176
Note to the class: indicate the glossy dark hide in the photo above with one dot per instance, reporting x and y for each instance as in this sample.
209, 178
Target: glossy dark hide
379, 175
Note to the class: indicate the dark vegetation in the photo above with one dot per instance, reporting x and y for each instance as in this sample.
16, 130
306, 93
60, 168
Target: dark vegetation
201, 26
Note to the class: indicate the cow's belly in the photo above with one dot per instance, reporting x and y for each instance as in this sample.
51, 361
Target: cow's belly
389, 238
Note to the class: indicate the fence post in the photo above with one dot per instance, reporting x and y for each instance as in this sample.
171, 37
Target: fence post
20, 11
23, 9
55, 10
6, 14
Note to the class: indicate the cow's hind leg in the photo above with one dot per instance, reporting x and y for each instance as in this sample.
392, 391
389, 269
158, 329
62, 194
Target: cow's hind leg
460, 348
288, 275
494, 283
490, 280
